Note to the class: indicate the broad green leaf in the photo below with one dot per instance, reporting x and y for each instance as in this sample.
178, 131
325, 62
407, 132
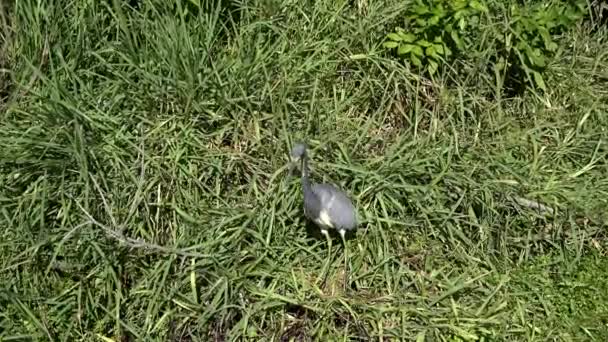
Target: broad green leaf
500, 65
432, 66
573, 15
457, 40
538, 79
420, 10
416, 61
438, 48
394, 36
458, 4
439, 11
430, 51
390, 45
478, 6
552, 46
458, 15
434, 20
405, 48
417, 50
474, 20
462, 24
424, 43
548, 42
535, 56
448, 52
540, 60
407, 37
514, 10
529, 25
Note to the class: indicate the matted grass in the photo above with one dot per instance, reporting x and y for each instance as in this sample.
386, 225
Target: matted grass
145, 195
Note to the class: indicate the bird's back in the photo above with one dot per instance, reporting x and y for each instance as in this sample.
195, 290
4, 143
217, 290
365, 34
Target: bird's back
338, 206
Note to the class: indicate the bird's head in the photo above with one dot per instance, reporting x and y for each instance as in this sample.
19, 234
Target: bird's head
298, 151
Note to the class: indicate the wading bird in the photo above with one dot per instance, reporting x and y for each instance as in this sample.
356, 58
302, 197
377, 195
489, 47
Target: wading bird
327, 206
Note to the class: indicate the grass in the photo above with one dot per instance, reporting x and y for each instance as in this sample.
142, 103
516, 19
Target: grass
144, 189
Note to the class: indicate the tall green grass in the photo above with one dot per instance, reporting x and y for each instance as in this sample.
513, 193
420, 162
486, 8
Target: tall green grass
145, 195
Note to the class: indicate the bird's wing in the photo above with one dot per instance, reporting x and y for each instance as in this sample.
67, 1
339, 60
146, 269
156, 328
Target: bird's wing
336, 207
325, 193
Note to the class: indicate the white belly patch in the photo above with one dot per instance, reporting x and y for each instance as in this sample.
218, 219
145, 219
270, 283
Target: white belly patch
324, 219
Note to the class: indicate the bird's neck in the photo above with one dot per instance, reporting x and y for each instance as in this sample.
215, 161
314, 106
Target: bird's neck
305, 180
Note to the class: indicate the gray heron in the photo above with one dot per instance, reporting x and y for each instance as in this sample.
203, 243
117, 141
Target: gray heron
324, 204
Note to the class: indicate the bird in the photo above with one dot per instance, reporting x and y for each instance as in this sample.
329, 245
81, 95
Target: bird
324, 204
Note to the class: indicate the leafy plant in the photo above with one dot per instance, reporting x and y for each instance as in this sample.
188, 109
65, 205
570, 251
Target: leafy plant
435, 30
527, 44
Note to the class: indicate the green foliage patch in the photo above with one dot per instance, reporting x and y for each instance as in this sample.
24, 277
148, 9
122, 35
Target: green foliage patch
522, 36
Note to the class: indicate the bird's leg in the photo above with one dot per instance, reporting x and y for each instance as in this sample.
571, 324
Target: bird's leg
346, 270
326, 268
